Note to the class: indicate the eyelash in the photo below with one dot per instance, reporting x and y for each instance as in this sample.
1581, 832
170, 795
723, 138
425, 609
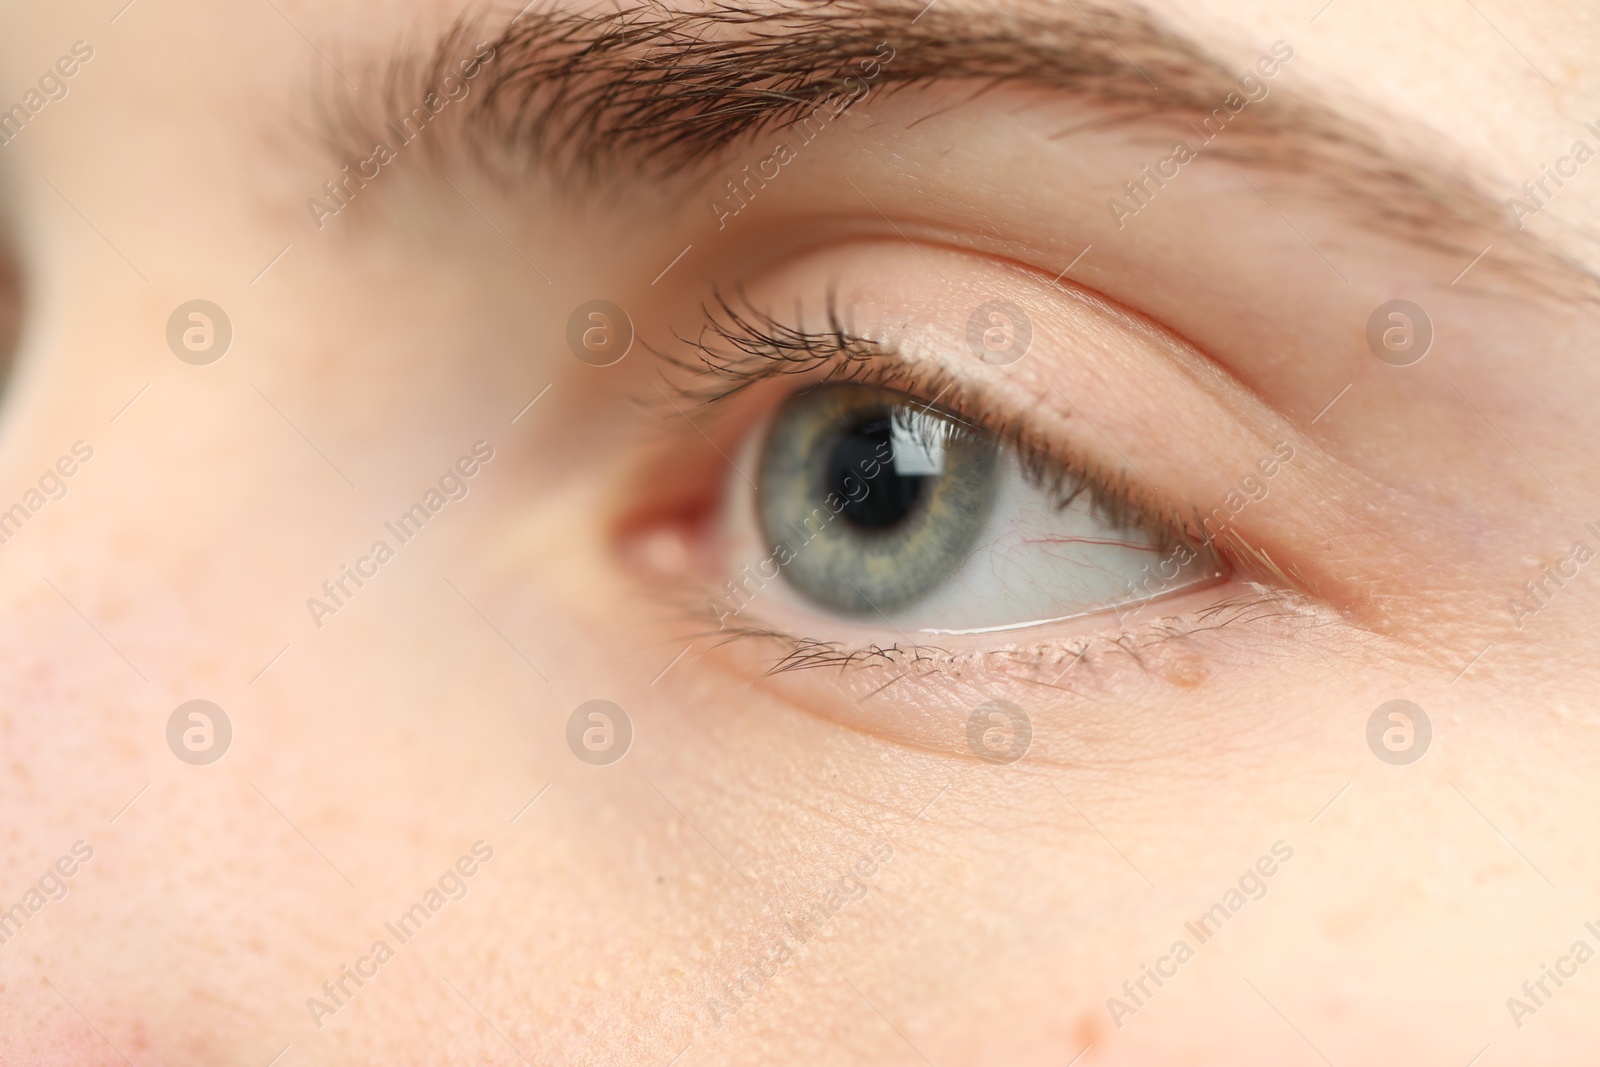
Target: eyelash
766, 349
1051, 658
740, 347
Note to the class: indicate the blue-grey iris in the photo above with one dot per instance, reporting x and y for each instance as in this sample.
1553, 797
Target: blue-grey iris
870, 499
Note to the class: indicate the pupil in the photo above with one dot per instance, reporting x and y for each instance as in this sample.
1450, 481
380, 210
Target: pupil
889, 497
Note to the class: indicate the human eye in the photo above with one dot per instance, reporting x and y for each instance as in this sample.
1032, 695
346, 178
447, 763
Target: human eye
876, 492
877, 508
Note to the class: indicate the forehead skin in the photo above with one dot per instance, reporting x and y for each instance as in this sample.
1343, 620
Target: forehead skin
372, 755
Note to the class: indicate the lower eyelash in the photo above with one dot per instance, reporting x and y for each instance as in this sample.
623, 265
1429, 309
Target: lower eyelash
1049, 659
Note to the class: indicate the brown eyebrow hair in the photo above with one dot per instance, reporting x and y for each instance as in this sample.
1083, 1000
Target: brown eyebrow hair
597, 99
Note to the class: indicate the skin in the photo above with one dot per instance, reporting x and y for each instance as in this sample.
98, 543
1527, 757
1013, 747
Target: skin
426, 713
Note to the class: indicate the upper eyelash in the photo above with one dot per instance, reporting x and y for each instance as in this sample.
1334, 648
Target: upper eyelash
762, 347
740, 346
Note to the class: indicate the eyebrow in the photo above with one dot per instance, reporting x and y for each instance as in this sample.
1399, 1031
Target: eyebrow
596, 99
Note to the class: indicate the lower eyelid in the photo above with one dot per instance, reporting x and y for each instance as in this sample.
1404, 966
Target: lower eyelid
922, 696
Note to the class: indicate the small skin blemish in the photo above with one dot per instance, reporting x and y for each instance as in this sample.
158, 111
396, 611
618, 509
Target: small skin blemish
1185, 670
1089, 1030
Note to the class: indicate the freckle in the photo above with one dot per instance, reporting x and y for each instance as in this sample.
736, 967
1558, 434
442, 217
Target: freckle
1185, 671
1089, 1029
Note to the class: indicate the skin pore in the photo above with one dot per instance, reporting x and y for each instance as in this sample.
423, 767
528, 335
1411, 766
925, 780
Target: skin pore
813, 864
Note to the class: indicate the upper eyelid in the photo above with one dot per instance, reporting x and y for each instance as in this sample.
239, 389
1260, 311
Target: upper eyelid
766, 348
842, 355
